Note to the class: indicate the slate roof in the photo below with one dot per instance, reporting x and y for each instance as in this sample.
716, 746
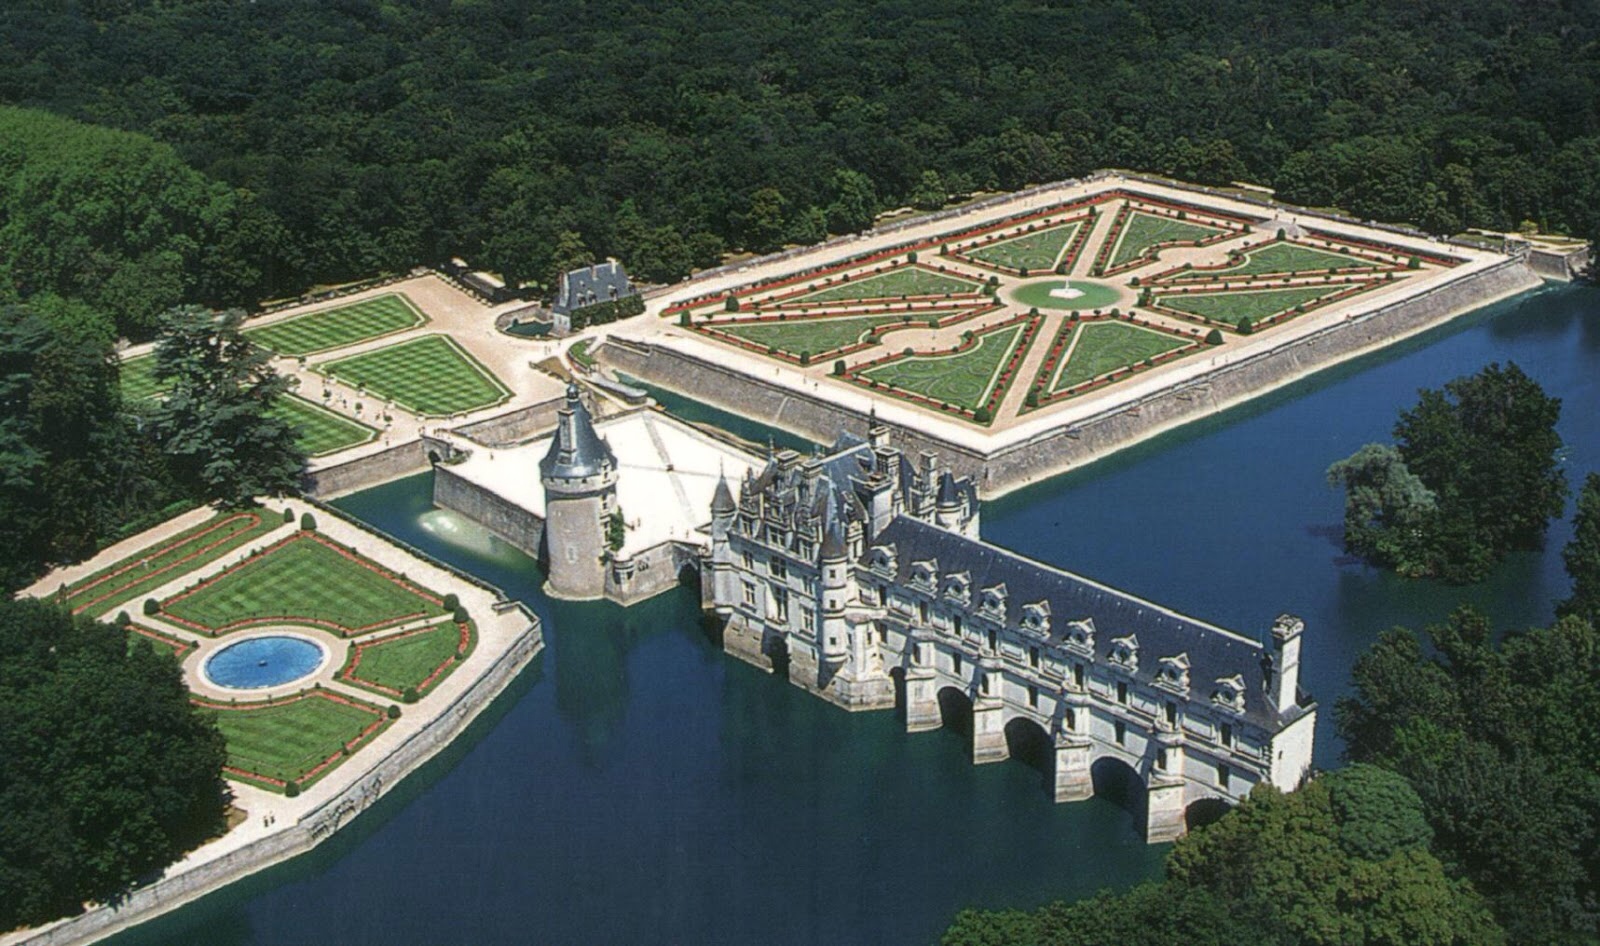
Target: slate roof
576, 450
1213, 653
601, 282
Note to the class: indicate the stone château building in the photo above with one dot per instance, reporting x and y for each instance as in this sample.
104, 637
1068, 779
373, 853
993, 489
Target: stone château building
862, 572
586, 286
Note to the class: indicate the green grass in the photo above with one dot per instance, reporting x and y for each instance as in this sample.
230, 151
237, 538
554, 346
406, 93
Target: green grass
819, 336
579, 352
340, 326
1102, 347
162, 643
964, 379
1037, 294
905, 281
319, 430
1290, 258
1035, 252
303, 580
138, 379
399, 664
1256, 305
1141, 231
285, 741
149, 568
432, 375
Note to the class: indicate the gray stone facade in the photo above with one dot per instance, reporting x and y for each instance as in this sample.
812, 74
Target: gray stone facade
862, 573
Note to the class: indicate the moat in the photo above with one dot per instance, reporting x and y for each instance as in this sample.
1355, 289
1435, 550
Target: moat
639, 786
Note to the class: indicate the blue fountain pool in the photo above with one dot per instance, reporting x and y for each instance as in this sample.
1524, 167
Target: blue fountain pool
264, 662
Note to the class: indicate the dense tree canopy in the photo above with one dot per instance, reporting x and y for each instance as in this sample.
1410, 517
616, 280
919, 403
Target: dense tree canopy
1345, 861
1473, 475
1500, 743
377, 135
108, 771
1582, 556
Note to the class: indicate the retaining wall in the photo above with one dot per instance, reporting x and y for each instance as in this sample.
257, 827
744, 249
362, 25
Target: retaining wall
513, 426
1061, 448
370, 470
517, 526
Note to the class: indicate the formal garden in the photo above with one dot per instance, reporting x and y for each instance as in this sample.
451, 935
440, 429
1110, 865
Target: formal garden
1139, 232
1090, 352
289, 743
1041, 251
432, 376
340, 326
1246, 310
409, 664
320, 431
971, 379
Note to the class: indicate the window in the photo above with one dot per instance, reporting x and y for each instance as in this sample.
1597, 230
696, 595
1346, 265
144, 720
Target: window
749, 594
922, 613
955, 664
1223, 775
1122, 693
779, 569
994, 640
1033, 696
808, 617
955, 622
779, 604
1225, 735
1077, 675
749, 561
1161, 760
1033, 657
1119, 732
1172, 713
880, 595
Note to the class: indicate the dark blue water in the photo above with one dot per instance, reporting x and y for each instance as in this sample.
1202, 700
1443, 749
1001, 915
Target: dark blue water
638, 786
263, 662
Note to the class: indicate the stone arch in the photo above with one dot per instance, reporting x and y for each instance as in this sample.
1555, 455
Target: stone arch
433, 458
1204, 811
1029, 742
897, 677
1118, 782
776, 649
955, 710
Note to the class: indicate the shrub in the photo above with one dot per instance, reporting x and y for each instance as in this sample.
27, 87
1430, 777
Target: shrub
911, 257
308, 523
982, 415
410, 695
452, 601
683, 318
838, 367
459, 614
731, 305
1134, 282
123, 620
805, 358
394, 711
1031, 399
1414, 263
933, 322
151, 606
1282, 234
1022, 271
1214, 337
1246, 326
288, 514
1034, 311
291, 789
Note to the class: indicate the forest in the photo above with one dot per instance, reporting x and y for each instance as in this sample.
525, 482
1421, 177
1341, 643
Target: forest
313, 142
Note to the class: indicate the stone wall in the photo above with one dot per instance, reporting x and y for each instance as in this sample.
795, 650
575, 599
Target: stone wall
1064, 447
314, 827
365, 471
1563, 267
650, 572
513, 426
520, 528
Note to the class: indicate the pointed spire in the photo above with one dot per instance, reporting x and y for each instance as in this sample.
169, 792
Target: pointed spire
722, 500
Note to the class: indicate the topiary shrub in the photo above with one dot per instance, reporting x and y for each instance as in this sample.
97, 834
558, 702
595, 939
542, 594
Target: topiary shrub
151, 606
1414, 263
911, 257
1246, 326
1214, 337
393, 711
1022, 271
838, 367
683, 318
288, 514
452, 601
308, 523
410, 695
459, 614
123, 619
982, 415
731, 305
291, 789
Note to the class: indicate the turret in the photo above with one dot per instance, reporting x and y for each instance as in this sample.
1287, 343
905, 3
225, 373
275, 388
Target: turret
579, 476
948, 511
833, 565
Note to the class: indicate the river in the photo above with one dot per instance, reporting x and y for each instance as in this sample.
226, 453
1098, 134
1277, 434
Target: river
637, 786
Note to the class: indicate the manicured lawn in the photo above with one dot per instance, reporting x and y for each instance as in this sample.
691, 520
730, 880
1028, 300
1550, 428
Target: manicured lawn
964, 379
150, 568
164, 643
1035, 252
818, 336
302, 580
322, 431
1292, 258
1099, 348
432, 375
1142, 231
1257, 305
340, 326
905, 281
1093, 295
288, 741
407, 660
138, 379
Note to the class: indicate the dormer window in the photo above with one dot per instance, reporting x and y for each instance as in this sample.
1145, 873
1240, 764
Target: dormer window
925, 573
883, 558
1036, 618
994, 600
1080, 637
1229, 693
1125, 653
1173, 673
959, 587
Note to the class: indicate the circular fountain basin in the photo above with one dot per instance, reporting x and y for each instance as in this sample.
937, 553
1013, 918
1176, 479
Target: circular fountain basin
259, 663
1059, 293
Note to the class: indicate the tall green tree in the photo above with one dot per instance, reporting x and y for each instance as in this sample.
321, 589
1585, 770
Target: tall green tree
1387, 508
1582, 555
109, 772
216, 421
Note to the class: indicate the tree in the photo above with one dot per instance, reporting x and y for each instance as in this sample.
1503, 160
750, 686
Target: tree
568, 254
1582, 556
109, 772
930, 193
763, 224
216, 422
1386, 508
855, 202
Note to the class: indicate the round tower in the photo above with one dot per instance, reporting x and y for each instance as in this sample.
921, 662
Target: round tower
579, 475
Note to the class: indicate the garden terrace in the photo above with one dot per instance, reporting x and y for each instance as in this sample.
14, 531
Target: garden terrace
341, 326
1139, 234
299, 739
908, 281
305, 578
1278, 258
1089, 353
320, 431
974, 376
817, 336
1039, 251
151, 568
1228, 308
410, 663
432, 376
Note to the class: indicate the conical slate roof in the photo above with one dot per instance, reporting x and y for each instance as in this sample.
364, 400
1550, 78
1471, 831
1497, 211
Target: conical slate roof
576, 450
722, 499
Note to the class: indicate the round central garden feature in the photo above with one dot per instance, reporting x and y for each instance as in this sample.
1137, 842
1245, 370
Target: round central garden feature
262, 662
1058, 293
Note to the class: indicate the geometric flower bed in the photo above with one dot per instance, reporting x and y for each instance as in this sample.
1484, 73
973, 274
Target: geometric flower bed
141, 636
1278, 258
319, 431
1229, 309
296, 739
1040, 251
1139, 235
1091, 352
432, 376
304, 579
410, 664
125, 580
345, 325
974, 377
900, 281
808, 337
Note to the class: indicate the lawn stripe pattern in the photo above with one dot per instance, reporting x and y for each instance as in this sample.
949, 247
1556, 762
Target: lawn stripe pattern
1289, 258
818, 336
1099, 348
964, 378
137, 377
415, 659
320, 431
148, 569
297, 740
341, 326
1257, 306
432, 376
